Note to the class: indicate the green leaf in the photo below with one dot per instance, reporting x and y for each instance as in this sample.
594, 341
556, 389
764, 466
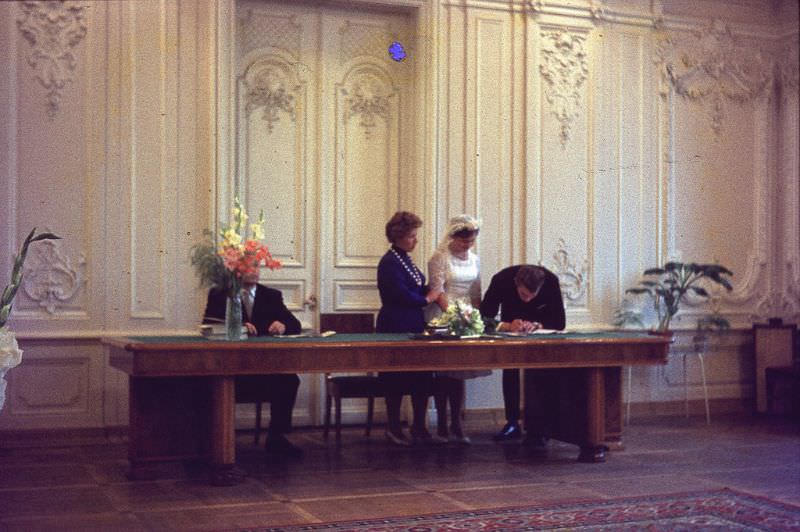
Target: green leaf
45, 236
699, 290
637, 291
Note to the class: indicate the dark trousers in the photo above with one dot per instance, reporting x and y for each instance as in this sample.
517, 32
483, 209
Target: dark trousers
511, 395
281, 392
417, 384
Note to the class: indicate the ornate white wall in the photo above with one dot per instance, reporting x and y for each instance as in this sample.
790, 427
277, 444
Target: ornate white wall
596, 138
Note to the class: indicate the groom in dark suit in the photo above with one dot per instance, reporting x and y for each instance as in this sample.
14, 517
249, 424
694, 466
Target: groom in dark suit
264, 313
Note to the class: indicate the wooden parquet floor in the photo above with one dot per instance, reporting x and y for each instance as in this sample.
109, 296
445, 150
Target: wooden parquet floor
56, 483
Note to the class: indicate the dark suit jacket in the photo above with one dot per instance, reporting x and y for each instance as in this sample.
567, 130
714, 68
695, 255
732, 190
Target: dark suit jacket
402, 300
268, 306
547, 307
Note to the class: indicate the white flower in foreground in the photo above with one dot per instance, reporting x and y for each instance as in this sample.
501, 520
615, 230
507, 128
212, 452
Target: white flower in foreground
10, 353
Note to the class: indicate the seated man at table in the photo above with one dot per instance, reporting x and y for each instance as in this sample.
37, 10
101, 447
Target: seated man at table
529, 298
264, 313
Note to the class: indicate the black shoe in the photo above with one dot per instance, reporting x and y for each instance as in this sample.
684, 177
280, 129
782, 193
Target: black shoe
280, 446
535, 443
510, 432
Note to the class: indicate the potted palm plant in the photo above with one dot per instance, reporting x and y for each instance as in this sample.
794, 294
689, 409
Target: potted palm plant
670, 285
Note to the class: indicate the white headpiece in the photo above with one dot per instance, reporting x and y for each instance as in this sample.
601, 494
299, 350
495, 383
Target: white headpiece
457, 224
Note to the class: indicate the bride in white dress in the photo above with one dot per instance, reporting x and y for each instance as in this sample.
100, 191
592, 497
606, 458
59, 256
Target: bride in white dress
454, 269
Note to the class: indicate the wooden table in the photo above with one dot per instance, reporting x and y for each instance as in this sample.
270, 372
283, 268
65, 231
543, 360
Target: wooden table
182, 388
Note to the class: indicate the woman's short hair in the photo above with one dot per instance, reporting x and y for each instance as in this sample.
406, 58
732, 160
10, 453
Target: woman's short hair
529, 276
400, 224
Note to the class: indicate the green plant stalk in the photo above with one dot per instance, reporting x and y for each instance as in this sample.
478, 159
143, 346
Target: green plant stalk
16, 273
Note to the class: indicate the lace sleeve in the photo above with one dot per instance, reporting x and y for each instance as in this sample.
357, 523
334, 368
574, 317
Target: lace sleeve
475, 287
437, 271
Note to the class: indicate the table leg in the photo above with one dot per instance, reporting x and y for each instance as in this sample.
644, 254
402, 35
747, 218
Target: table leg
614, 408
593, 449
223, 442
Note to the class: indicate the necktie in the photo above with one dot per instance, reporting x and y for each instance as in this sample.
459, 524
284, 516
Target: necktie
247, 300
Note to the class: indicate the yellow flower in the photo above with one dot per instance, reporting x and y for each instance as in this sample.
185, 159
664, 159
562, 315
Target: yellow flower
258, 231
231, 238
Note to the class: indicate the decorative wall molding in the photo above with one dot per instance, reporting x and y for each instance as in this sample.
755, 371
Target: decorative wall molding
260, 31
355, 296
49, 277
53, 30
359, 40
564, 67
709, 66
269, 83
367, 97
573, 280
597, 10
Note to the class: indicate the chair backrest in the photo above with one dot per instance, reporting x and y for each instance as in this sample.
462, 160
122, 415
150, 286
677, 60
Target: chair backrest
347, 322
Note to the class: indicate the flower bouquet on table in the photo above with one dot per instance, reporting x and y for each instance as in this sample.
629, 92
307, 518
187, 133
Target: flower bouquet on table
223, 264
10, 353
460, 320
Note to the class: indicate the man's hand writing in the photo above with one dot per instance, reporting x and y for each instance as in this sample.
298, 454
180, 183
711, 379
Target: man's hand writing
276, 327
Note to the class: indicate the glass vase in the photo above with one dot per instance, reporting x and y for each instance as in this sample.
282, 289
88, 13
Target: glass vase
233, 317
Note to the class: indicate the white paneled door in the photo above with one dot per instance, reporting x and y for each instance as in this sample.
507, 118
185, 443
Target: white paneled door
323, 145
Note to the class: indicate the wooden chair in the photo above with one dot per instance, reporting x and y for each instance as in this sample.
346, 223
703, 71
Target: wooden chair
338, 387
249, 390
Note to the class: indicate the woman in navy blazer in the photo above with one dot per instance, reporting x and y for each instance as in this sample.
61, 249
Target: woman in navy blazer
403, 295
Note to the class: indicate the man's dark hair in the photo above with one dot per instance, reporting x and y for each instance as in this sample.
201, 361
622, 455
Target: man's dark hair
531, 277
400, 224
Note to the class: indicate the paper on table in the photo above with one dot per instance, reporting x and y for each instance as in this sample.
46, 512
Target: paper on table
547, 331
537, 331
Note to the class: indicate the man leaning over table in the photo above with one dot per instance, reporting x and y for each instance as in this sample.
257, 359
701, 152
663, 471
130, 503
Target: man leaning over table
528, 298
264, 313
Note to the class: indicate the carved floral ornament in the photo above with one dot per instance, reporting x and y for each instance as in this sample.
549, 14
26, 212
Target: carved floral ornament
49, 277
269, 86
571, 278
367, 97
710, 67
565, 68
53, 30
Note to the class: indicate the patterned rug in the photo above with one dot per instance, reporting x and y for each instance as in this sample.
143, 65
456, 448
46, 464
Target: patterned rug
709, 510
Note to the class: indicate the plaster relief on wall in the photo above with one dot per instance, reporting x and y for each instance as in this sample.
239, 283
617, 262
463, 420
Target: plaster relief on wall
53, 30
367, 97
269, 84
537, 6
259, 30
597, 10
710, 67
565, 68
573, 280
49, 277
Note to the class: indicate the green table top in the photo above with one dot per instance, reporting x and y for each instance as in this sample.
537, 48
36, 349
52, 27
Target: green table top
387, 337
